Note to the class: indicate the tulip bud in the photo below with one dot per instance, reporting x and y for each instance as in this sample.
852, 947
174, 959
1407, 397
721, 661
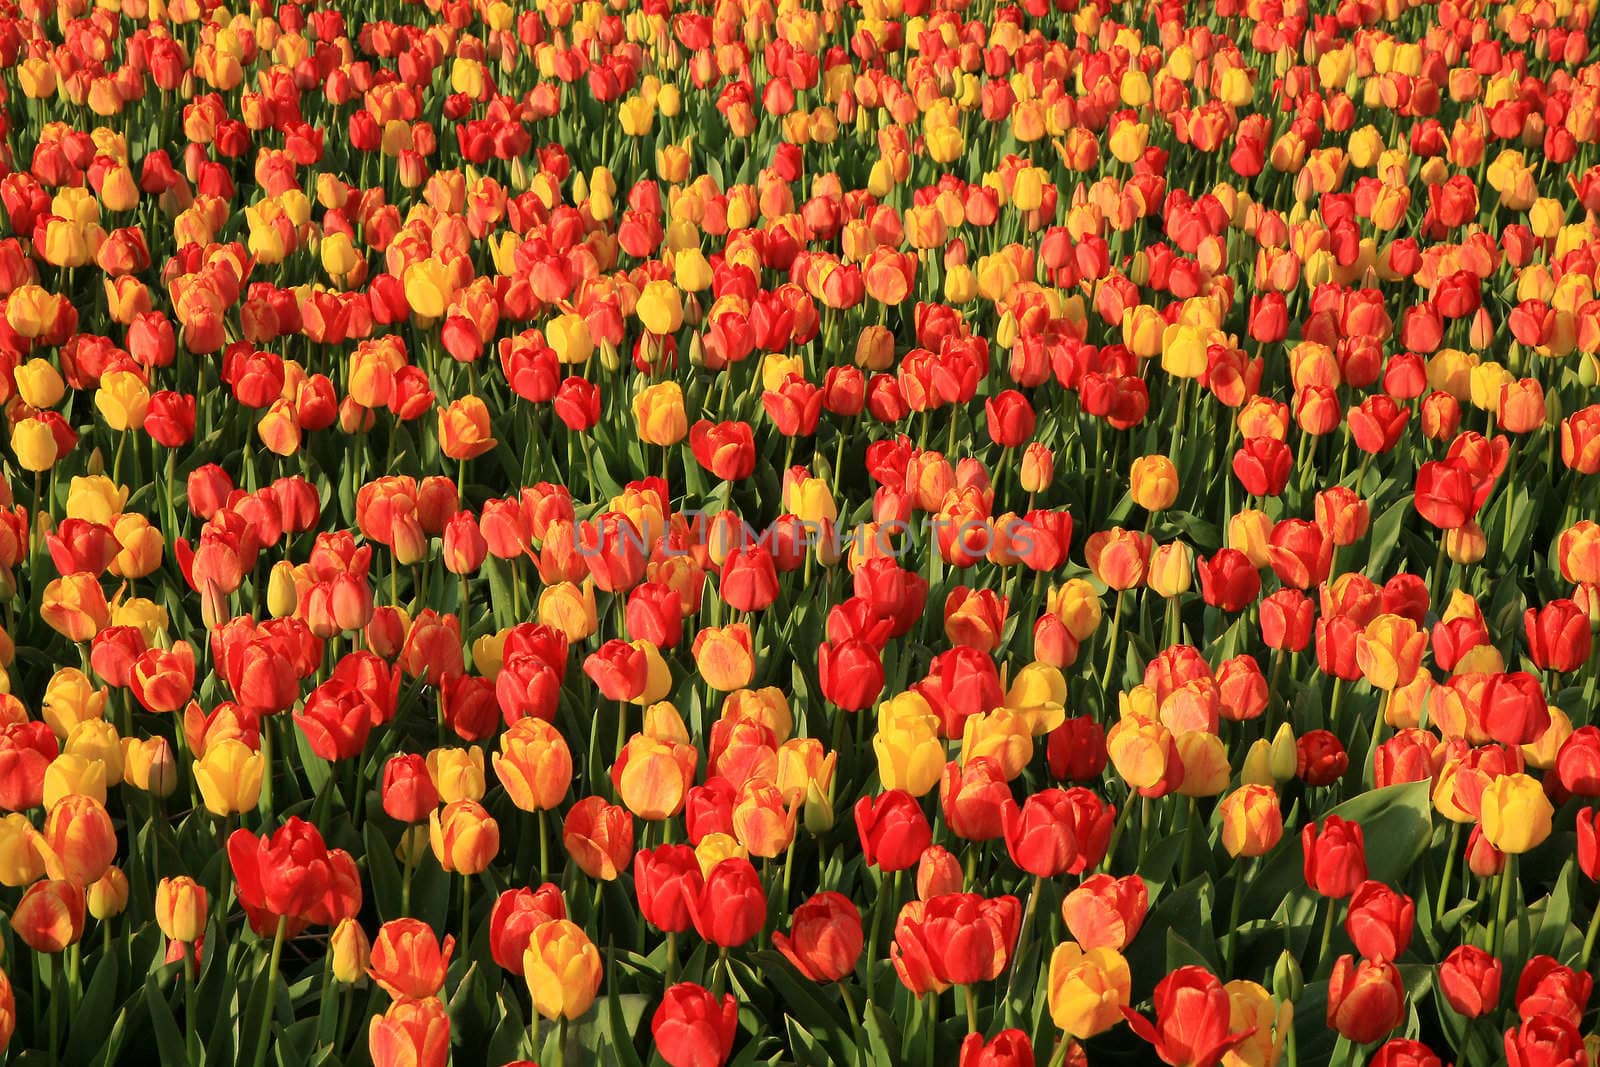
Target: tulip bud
1257, 769
108, 897
349, 951
181, 908
1285, 754
282, 596
1287, 980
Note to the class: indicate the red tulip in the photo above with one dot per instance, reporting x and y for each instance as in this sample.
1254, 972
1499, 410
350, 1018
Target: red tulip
894, 830
1335, 857
692, 1028
1365, 1000
1192, 1016
825, 938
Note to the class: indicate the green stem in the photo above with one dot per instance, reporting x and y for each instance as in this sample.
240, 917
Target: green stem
1111, 643
860, 1041
1231, 942
1449, 868
1497, 931
260, 1055
191, 1007
1327, 932
1588, 941
1022, 939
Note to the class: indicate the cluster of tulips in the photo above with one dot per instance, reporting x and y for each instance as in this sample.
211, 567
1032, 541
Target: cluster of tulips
860, 533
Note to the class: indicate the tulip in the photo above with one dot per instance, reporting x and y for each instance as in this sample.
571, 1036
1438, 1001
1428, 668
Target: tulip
1088, 990
825, 938
349, 952
1106, 912
894, 830
411, 1033
692, 1027
181, 908
1335, 857
49, 917
407, 961
1192, 1016
1516, 813
1252, 821
731, 906
1365, 1000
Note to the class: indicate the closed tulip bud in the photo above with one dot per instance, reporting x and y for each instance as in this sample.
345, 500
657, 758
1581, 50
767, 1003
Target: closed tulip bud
1038, 468
464, 837
563, 970
181, 908
1466, 544
149, 764
229, 776
349, 952
1469, 979
1285, 754
1257, 766
282, 593
1252, 821
653, 777
1335, 857
534, 764
1380, 921
1366, 1000
1516, 813
1153, 482
411, 1032
1288, 982
78, 842
40, 384
825, 938
107, 897
20, 860
1171, 569
1088, 990
938, 873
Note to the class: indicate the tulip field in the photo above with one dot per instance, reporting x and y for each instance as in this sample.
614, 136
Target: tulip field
956, 533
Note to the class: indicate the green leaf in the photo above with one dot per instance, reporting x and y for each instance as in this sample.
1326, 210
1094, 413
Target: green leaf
169, 1039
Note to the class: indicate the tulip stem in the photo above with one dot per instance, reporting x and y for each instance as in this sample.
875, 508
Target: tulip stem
266, 767
1497, 931
1111, 643
972, 1008
1116, 833
560, 1058
55, 1009
1022, 939
1059, 1056
466, 914
855, 1019
1449, 869
267, 1011
1589, 940
191, 1006
672, 958
1327, 933
1232, 940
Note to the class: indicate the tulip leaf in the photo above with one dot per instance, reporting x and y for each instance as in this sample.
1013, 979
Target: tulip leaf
808, 1052
624, 1018
1396, 822
510, 1035
169, 1039
384, 872
881, 1036
94, 1016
